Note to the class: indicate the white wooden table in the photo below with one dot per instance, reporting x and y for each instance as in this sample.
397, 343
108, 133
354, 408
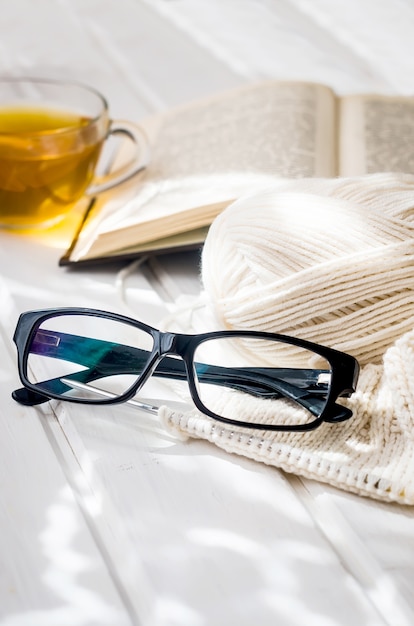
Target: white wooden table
104, 518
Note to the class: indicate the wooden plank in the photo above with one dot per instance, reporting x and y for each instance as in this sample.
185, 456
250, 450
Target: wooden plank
374, 540
220, 538
52, 571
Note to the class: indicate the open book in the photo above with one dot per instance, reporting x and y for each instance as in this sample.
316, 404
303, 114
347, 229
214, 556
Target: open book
210, 152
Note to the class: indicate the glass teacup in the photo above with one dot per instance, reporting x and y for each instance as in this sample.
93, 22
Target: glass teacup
51, 137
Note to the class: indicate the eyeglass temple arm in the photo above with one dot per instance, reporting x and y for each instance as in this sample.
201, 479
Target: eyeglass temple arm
252, 381
119, 359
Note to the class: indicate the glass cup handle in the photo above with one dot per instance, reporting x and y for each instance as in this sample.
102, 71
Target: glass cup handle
138, 162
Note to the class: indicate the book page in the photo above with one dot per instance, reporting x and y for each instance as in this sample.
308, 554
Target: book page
376, 134
280, 128
215, 151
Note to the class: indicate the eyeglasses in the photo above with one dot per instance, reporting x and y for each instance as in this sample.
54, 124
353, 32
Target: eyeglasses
251, 379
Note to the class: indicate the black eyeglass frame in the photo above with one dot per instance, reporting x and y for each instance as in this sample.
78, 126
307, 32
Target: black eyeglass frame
344, 367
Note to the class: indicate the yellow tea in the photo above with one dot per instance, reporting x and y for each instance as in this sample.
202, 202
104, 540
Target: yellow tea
47, 160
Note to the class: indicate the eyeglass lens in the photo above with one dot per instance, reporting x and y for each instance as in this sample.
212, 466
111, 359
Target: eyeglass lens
261, 381
73, 354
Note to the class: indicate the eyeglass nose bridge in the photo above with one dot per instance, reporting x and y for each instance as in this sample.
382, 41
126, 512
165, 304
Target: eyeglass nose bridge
170, 344
166, 343
173, 344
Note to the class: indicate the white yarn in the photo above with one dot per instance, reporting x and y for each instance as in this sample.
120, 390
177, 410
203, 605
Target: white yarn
324, 259
331, 261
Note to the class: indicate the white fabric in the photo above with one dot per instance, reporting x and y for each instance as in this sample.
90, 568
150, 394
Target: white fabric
330, 261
